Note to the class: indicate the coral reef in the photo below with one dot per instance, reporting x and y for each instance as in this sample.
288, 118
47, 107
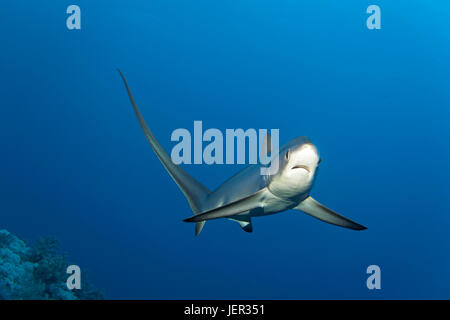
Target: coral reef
36, 272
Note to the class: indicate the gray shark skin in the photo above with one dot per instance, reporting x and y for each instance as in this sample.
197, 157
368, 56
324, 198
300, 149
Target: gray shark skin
248, 193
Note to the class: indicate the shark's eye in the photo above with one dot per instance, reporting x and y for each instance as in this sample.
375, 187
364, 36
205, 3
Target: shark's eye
287, 155
320, 160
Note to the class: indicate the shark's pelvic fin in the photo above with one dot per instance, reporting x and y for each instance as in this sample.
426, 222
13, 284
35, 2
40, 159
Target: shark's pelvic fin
193, 190
319, 211
246, 226
244, 221
231, 209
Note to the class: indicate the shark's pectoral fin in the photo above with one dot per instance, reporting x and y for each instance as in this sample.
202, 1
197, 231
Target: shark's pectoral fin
231, 209
319, 211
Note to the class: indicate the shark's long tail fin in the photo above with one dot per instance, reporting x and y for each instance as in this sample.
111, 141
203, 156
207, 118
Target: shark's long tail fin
193, 190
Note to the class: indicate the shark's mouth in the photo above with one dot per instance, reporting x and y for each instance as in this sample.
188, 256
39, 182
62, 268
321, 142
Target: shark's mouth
299, 166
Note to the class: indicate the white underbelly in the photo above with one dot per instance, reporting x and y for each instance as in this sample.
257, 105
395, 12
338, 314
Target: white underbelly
271, 204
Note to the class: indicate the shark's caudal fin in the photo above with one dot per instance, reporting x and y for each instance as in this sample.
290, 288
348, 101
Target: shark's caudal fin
319, 211
193, 190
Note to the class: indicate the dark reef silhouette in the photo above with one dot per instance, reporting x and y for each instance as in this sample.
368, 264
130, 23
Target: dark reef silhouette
37, 271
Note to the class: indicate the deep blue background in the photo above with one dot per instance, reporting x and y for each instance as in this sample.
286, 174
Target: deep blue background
75, 164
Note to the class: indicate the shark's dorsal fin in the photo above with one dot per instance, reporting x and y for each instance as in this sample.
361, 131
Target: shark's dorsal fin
319, 211
193, 190
266, 146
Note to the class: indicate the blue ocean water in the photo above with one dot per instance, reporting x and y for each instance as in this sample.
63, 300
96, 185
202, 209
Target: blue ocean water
75, 164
